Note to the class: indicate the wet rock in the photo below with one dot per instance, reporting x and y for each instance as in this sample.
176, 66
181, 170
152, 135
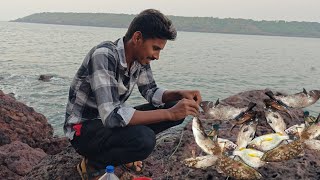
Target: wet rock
45, 77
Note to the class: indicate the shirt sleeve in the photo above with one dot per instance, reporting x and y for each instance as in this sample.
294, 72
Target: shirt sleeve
148, 88
102, 69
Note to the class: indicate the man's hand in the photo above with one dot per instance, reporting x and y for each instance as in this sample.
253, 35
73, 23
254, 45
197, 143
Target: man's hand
191, 95
184, 108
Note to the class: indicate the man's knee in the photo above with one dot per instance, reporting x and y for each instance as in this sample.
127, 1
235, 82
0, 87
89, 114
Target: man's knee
145, 141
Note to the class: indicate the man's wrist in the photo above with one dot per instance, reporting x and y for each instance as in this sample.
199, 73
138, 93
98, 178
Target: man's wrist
168, 115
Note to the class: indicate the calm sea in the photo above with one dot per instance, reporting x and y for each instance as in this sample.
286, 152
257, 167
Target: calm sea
219, 65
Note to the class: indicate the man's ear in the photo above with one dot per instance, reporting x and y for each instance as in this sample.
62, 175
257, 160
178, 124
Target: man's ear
137, 37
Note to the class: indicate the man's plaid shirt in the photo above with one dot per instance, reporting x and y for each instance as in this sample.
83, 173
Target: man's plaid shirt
103, 84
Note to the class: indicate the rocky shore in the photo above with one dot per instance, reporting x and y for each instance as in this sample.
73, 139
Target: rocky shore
28, 149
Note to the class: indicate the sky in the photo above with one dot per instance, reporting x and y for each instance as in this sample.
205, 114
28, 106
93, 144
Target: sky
288, 10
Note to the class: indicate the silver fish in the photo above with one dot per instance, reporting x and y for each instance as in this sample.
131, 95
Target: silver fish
246, 134
201, 162
275, 120
300, 100
267, 142
217, 111
251, 157
203, 141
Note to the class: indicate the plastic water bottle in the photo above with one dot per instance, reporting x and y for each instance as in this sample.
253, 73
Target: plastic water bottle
109, 175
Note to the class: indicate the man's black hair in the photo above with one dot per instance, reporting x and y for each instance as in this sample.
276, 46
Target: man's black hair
152, 24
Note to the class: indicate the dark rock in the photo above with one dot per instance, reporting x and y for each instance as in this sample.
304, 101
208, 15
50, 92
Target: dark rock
20, 141
45, 77
13, 127
12, 95
4, 139
20, 158
7, 174
59, 166
54, 145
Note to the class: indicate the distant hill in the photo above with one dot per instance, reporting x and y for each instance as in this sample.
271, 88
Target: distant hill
194, 24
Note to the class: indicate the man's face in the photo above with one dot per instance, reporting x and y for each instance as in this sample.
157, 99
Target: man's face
148, 50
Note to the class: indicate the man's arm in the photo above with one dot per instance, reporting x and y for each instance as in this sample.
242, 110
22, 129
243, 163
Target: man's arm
175, 95
182, 109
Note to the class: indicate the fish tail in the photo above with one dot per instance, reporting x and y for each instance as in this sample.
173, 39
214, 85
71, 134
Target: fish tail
318, 119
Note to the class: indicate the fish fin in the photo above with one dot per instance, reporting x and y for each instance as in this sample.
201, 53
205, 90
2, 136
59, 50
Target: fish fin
217, 102
305, 91
232, 126
237, 118
270, 95
206, 105
251, 106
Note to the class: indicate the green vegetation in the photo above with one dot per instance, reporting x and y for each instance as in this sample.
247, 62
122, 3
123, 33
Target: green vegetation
195, 24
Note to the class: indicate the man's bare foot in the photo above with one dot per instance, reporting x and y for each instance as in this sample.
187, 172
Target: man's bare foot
136, 167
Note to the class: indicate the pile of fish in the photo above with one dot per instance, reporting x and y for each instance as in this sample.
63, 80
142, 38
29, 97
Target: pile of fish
242, 159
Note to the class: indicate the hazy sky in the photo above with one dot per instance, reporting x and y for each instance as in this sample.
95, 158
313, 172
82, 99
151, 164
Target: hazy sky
290, 10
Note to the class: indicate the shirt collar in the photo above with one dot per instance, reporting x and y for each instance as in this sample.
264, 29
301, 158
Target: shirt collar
122, 55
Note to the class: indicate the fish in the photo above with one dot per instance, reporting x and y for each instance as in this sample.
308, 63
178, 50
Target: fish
277, 105
275, 120
279, 102
213, 134
284, 152
251, 157
202, 139
226, 144
312, 131
246, 134
242, 118
300, 100
219, 112
296, 130
267, 142
273, 104
312, 144
236, 169
201, 162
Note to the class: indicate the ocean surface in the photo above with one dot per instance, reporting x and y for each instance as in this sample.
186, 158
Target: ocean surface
219, 65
